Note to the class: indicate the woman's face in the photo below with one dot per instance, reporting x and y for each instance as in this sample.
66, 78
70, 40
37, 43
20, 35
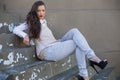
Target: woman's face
41, 12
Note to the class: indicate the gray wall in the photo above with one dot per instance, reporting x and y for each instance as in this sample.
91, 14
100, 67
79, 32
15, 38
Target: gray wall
98, 20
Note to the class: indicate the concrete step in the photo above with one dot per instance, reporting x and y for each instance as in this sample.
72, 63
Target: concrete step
10, 40
66, 75
7, 28
16, 56
38, 70
9, 18
104, 74
71, 74
118, 78
4, 29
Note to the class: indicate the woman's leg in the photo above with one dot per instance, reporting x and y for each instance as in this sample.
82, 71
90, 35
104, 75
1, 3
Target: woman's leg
80, 41
80, 58
63, 49
59, 50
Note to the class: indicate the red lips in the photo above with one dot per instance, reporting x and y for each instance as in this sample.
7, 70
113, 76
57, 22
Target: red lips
41, 16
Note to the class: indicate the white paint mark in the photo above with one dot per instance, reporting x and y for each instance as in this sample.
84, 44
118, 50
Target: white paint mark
26, 58
10, 59
38, 70
11, 44
5, 24
22, 72
70, 66
11, 27
19, 55
17, 78
63, 64
12, 65
46, 76
33, 76
7, 43
1, 25
1, 47
69, 60
33, 55
1, 60
15, 62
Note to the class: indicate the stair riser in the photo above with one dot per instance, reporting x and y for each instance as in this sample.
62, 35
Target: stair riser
10, 40
16, 57
4, 29
45, 71
9, 18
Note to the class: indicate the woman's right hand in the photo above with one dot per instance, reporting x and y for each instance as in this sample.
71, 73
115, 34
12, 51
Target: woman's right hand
26, 40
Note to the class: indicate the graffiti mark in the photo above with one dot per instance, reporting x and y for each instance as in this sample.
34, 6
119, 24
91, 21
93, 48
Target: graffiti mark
1, 47
63, 64
33, 76
1, 25
10, 59
17, 78
1, 60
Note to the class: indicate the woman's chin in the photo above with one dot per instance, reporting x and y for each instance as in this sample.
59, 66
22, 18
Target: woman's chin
41, 18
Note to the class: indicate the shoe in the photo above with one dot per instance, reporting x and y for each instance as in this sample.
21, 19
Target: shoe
102, 64
79, 77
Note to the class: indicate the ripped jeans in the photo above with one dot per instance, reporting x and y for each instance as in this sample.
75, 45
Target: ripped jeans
73, 40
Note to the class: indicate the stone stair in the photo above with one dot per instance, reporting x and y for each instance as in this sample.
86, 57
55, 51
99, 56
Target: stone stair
9, 18
18, 62
73, 72
118, 78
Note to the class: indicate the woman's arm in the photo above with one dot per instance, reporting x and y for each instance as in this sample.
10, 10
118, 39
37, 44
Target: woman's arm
19, 32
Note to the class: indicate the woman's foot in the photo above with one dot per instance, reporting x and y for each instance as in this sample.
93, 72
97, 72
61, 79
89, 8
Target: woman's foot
95, 59
102, 64
82, 78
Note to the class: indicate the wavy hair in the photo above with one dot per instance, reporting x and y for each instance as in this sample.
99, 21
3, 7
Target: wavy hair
33, 21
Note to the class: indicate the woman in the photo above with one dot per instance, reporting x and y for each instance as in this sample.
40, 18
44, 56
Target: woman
48, 48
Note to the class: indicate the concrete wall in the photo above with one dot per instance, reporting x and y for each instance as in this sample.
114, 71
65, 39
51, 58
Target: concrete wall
0, 6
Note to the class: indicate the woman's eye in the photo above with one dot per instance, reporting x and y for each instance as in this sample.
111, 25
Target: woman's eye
43, 10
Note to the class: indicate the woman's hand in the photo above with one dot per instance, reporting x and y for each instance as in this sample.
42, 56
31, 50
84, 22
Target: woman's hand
26, 40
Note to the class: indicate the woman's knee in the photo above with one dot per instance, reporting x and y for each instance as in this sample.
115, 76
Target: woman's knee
75, 30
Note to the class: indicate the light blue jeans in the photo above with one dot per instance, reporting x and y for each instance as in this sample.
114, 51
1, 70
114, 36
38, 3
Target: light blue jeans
73, 40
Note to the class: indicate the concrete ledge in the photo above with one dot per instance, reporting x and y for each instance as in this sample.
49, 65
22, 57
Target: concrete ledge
16, 56
39, 69
4, 29
73, 72
104, 74
10, 40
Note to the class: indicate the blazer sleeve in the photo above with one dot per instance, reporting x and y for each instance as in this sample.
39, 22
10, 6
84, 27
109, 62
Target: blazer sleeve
19, 30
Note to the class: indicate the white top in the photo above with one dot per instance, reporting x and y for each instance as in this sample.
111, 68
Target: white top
46, 37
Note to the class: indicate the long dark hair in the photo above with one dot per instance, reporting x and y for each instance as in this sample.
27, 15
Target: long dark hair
33, 21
